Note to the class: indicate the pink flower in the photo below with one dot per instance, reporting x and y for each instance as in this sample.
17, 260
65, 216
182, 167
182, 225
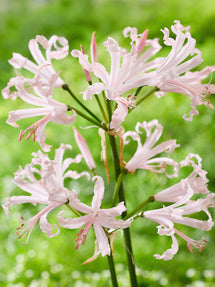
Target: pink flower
174, 71
99, 218
52, 111
128, 71
177, 213
41, 85
43, 65
197, 180
144, 155
45, 186
82, 144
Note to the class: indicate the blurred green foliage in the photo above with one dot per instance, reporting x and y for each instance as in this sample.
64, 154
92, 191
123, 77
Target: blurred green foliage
54, 262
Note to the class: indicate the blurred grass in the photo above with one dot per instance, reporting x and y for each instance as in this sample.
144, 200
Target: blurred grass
54, 262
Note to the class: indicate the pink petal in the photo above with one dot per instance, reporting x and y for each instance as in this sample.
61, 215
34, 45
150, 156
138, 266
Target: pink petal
169, 253
25, 113
101, 238
82, 144
93, 48
72, 223
98, 192
47, 227
95, 88
118, 115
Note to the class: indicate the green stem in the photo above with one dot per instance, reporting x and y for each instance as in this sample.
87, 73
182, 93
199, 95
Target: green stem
66, 88
126, 232
139, 207
69, 108
109, 108
112, 270
146, 95
117, 188
137, 91
101, 108
100, 105
74, 210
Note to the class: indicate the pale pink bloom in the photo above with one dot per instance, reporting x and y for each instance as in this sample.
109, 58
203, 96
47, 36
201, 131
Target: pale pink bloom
99, 218
45, 186
174, 74
43, 64
52, 110
177, 213
127, 71
145, 153
82, 144
197, 181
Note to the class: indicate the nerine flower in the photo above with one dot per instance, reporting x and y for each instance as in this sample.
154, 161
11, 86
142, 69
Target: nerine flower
99, 218
52, 111
197, 180
128, 70
45, 186
145, 153
43, 66
41, 85
177, 213
173, 74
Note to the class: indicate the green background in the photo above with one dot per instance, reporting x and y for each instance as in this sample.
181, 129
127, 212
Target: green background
55, 262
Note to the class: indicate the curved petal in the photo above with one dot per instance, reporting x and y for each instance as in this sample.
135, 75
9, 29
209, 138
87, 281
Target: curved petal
72, 223
118, 115
95, 88
110, 222
169, 253
46, 227
17, 115
101, 238
98, 192
14, 200
82, 144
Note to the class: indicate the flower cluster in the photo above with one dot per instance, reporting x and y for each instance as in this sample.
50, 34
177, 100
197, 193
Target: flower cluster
44, 179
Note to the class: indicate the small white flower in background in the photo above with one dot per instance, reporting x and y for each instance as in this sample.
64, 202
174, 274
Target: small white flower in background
144, 155
48, 189
99, 218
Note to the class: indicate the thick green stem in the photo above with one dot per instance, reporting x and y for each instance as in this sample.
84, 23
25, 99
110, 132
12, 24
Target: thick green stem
112, 270
139, 207
126, 232
109, 109
66, 88
69, 108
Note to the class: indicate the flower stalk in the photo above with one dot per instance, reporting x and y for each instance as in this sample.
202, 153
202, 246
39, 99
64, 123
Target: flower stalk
126, 232
112, 270
66, 88
69, 108
139, 207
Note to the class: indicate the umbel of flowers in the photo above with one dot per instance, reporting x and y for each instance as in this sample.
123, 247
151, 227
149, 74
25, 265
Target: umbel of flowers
117, 92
